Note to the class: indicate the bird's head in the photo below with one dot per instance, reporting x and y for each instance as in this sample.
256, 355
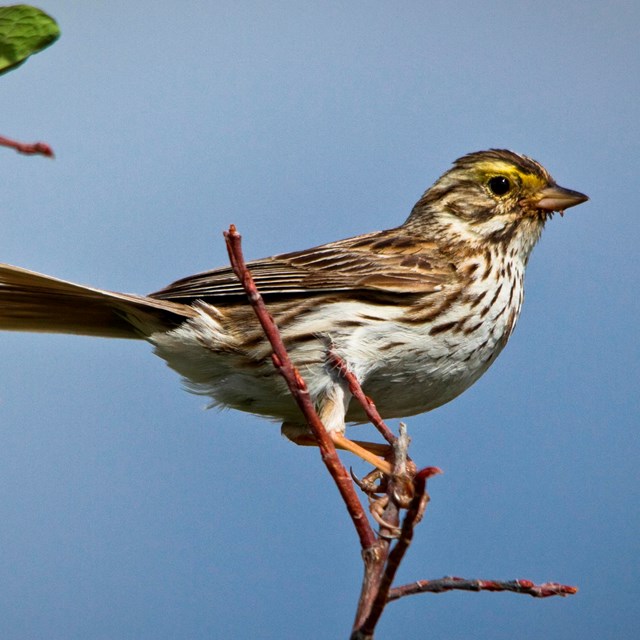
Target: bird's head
492, 196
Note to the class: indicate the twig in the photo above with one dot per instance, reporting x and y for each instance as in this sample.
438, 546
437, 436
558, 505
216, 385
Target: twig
527, 587
298, 389
413, 516
32, 148
357, 392
376, 560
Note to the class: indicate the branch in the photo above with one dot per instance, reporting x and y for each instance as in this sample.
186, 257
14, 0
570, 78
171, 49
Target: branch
398, 486
298, 389
366, 402
33, 148
412, 518
527, 587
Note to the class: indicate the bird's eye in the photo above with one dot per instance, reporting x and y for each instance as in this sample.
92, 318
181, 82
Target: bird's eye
499, 185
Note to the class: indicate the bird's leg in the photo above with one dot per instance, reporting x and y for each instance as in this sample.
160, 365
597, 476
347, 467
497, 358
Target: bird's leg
332, 411
363, 450
370, 452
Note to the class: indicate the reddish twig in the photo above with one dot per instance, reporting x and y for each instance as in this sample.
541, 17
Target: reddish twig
298, 389
527, 587
376, 559
413, 516
357, 392
32, 148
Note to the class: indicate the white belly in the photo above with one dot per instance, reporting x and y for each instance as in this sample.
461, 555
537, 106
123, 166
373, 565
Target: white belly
405, 369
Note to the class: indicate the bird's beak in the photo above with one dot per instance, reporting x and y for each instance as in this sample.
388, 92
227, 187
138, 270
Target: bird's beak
555, 198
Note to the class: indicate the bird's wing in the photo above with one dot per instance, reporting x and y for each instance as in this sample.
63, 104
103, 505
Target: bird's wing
388, 261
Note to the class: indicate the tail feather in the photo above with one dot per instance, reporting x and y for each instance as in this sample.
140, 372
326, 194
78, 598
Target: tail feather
31, 301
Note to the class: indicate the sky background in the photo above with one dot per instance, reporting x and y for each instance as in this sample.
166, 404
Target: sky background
126, 510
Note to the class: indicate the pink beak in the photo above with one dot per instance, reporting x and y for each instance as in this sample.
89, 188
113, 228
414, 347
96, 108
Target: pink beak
555, 198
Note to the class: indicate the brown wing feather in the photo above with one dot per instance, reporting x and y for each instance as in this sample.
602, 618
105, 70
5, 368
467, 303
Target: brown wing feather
386, 261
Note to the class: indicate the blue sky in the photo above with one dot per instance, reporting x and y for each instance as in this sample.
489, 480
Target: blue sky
126, 510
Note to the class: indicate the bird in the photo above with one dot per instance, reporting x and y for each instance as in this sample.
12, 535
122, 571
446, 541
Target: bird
417, 312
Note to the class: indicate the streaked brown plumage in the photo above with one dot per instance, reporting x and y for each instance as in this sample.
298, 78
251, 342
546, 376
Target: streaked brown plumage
418, 312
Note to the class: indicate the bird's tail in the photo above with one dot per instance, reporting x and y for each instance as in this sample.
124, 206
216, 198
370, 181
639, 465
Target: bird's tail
31, 301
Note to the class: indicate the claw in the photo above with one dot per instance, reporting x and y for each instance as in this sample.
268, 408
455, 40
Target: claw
403, 491
356, 480
392, 530
372, 484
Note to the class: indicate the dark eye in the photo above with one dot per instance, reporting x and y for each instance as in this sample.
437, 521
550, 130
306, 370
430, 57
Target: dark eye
499, 185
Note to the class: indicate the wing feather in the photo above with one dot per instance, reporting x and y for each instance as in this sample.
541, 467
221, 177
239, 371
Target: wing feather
386, 261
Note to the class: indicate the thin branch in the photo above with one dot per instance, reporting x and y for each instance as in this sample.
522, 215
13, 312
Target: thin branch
413, 516
299, 391
376, 559
546, 590
32, 148
357, 392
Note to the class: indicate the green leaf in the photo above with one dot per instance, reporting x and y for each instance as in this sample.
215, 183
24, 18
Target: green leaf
24, 30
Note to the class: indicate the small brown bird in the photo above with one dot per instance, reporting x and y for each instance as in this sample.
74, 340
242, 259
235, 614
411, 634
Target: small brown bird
418, 312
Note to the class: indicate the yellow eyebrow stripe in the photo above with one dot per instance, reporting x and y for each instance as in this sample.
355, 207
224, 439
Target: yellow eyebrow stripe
492, 168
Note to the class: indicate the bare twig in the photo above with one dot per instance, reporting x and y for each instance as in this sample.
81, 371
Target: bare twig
370, 604
298, 389
413, 516
366, 402
527, 587
32, 148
